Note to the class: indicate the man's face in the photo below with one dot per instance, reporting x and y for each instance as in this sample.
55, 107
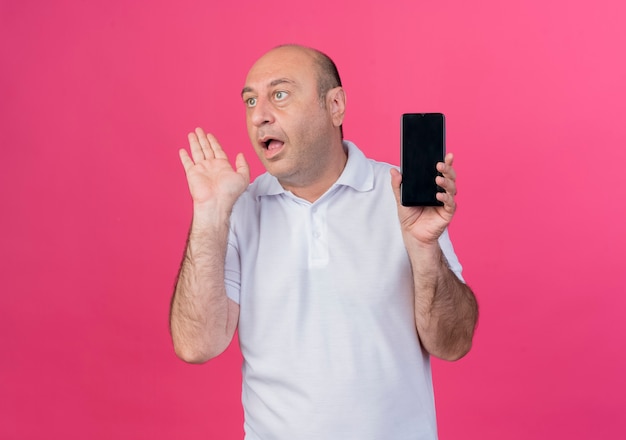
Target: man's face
290, 129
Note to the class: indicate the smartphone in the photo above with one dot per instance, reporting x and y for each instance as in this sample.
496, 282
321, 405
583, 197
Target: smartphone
423, 145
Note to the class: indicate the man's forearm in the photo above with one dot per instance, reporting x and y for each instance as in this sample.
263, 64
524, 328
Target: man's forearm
200, 320
446, 310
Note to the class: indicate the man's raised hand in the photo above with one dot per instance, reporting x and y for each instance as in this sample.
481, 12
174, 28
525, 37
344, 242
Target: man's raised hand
210, 176
426, 224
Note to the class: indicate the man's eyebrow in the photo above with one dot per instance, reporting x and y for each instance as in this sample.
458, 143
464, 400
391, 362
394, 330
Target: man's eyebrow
272, 83
246, 90
281, 81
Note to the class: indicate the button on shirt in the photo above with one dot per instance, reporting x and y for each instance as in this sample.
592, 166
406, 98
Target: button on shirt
326, 324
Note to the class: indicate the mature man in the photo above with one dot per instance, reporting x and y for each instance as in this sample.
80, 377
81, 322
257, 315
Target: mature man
339, 292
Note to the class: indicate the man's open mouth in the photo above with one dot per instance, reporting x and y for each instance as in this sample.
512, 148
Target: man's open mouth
272, 144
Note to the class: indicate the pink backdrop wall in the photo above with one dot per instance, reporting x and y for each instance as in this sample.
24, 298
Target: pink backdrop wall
96, 97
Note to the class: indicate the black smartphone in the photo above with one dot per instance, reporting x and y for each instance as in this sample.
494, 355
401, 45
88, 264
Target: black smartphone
423, 145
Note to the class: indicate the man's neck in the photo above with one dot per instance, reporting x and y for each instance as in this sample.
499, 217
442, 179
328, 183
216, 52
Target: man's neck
319, 185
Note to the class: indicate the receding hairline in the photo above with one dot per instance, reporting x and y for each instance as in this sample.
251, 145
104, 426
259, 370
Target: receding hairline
326, 70
324, 63
312, 52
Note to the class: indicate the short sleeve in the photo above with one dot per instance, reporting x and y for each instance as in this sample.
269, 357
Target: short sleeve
448, 251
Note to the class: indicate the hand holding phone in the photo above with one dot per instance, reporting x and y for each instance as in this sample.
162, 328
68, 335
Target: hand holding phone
423, 145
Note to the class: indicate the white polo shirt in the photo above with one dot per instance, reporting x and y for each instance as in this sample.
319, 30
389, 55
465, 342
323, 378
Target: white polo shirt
326, 324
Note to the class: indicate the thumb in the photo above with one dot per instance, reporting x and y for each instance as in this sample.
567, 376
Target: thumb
242, 166
396, 180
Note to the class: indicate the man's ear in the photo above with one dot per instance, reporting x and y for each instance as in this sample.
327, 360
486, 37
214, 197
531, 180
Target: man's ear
336, 101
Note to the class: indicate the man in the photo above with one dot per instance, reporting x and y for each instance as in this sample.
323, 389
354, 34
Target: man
339, 292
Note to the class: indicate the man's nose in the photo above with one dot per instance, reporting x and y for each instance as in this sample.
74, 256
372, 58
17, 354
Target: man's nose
262, 113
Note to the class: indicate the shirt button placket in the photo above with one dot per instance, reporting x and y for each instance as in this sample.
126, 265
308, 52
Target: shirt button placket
319, 244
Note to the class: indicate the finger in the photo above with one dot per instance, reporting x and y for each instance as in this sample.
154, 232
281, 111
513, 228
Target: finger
448, 185
449, 159
446, 167
196, 149
185, 159
204, 143
448, 202
242, 166
216, 148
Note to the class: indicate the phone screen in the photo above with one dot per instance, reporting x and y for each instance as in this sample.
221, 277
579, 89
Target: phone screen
423, 145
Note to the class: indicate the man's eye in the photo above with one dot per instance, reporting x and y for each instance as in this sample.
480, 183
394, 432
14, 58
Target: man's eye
251, 102
280, 95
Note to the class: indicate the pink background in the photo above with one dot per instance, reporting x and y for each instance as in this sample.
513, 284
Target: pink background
96, 98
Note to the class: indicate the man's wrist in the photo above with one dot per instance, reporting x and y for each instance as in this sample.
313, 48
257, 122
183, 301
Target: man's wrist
210, 216
426, 259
